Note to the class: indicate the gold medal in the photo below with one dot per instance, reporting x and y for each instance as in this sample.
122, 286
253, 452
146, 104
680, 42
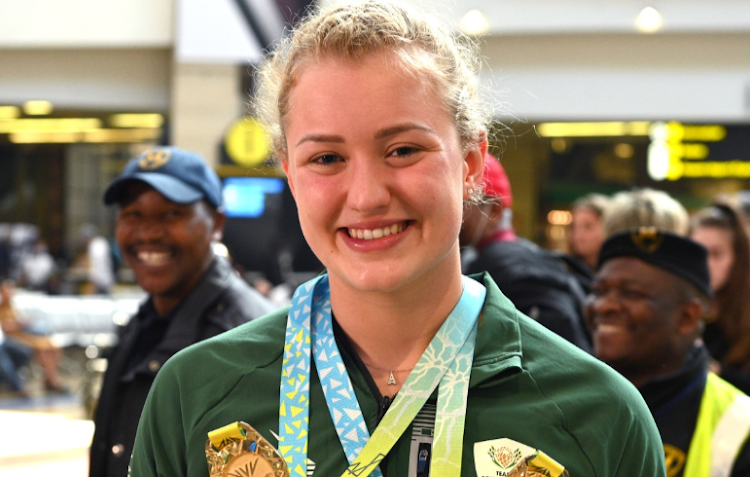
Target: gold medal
238, 450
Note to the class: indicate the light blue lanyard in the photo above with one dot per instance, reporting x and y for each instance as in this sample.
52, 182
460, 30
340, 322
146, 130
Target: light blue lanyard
446, 362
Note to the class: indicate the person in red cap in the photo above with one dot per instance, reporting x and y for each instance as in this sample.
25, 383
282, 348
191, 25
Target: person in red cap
535, 280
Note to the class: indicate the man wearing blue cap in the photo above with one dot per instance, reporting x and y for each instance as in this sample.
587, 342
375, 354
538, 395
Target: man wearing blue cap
645, 315
169, 216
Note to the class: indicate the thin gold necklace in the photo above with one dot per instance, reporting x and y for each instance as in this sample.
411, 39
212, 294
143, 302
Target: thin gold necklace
391, 378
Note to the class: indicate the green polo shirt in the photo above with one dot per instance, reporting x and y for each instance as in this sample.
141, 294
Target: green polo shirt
527, 385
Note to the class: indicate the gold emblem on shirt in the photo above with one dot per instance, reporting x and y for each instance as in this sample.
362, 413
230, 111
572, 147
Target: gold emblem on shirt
675, 459
238, 450
154, 159
647, 239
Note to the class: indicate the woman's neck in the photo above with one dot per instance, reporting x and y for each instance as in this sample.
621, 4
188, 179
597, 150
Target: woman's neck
391, 331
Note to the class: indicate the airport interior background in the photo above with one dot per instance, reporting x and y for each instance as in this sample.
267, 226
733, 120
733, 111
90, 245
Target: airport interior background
589, 96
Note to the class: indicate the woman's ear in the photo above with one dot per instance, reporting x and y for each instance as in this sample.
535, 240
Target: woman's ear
474, 166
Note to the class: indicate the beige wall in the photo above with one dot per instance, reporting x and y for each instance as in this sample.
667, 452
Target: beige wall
205, 100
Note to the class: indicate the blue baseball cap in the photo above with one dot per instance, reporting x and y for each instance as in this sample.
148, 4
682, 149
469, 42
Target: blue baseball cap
181, 176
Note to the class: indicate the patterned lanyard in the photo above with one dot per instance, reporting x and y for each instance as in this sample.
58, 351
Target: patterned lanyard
446, 363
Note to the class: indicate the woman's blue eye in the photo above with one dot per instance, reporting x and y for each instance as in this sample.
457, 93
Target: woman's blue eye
327, 159
403, 151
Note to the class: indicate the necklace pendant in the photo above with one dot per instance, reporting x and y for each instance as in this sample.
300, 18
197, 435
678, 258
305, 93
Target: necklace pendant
391, 380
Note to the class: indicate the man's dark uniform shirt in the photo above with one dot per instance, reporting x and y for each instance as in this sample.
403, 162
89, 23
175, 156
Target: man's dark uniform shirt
219, 302
674, 401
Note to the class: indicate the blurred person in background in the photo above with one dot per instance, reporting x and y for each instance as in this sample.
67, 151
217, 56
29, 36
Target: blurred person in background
721, 229
536, 281
169, 219
645, 207
13, 356
740, 200
645, 313
5, 251
37, 267
33, 336
585, 237
95, 262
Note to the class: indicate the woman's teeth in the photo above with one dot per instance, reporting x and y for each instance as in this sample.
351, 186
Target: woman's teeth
154, 258
373, 234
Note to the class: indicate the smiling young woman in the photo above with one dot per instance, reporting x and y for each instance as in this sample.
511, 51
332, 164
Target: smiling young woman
392, 360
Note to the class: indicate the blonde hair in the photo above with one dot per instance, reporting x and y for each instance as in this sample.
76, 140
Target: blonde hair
352, 32
596, 203
645, 208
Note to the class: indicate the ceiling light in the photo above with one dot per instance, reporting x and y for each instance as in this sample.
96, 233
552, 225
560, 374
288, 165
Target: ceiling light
136, 120
474, 23
90, 136
624, 150
50, 125
44, 137
37, 108
649, 20
559, 217
559, 145
121, 135
9, 112
603, 129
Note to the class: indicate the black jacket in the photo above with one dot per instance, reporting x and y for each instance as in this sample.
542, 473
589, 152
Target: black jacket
537, 282
219, 302
718, 345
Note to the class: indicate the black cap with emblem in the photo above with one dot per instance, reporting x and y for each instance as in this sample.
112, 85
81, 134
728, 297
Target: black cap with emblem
674, 253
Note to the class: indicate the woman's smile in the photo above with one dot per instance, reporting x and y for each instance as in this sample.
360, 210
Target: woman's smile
376, 233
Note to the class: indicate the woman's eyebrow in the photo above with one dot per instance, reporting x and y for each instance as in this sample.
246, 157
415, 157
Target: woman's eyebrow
399, 128
389, 131
320, 138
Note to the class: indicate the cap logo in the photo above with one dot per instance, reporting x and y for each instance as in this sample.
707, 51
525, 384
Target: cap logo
647, 239
154, 159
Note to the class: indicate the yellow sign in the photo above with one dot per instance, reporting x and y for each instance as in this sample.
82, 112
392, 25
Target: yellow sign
677, 151
246, 143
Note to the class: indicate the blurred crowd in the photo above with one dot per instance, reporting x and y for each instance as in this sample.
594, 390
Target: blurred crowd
89, 267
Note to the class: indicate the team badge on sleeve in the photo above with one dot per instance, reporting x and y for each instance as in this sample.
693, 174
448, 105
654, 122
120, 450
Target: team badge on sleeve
508, 458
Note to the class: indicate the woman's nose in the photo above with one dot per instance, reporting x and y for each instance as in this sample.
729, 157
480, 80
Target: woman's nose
369, 185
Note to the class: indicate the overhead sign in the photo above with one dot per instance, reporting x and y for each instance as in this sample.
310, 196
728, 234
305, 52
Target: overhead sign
246, 143
680, 151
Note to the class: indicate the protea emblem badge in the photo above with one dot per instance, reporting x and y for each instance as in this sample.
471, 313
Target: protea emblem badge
504, 457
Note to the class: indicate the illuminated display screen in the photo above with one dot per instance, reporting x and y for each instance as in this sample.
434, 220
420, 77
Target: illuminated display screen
689, 151
246, 196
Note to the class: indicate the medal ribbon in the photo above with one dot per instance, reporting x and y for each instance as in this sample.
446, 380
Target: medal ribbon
445, 363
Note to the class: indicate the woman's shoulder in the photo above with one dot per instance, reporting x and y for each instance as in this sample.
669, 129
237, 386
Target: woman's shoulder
573, 375
251, 345
561, 370
584, 398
